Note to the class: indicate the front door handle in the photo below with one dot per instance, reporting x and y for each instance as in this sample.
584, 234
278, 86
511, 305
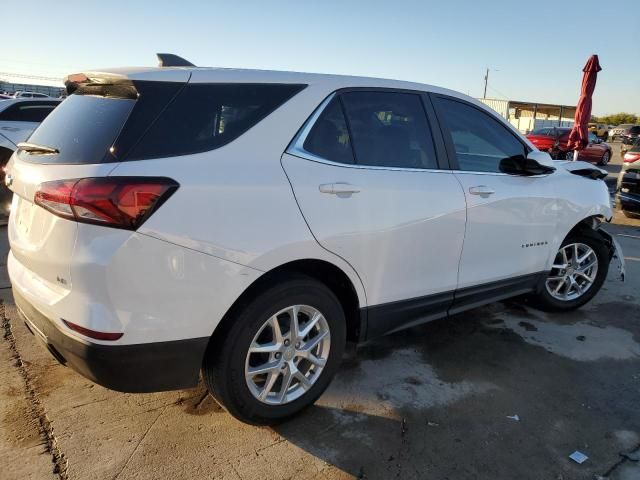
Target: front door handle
482, 190
339, 188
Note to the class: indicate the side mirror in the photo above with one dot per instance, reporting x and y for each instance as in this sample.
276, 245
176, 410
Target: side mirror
543, 159
598, 140
535, 163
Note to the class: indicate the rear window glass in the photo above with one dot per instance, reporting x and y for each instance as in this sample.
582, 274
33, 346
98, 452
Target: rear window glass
206, 116
549, 132
82, 129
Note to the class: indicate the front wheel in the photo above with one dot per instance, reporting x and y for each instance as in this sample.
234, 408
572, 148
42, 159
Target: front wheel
579, 270
605, 158
282, 350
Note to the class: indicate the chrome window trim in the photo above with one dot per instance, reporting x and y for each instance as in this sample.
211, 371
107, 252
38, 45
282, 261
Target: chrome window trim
296, 149
314, 158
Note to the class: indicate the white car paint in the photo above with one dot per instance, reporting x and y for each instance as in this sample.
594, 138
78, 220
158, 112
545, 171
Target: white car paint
248, 207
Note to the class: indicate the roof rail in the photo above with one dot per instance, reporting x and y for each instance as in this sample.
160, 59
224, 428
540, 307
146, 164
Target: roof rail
171, 60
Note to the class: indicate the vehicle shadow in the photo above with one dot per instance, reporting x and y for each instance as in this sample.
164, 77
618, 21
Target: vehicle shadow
450, 398
395, 400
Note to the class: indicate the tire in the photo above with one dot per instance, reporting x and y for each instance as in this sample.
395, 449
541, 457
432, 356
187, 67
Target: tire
545, 300
228, 361
605, 158
568, 155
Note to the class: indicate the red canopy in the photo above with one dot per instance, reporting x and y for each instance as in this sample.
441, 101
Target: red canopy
579, 136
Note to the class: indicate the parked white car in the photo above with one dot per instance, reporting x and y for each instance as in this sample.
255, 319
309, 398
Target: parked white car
25, 94
247, 224
18, 119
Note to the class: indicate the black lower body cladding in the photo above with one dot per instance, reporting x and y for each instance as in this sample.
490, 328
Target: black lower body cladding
146, 367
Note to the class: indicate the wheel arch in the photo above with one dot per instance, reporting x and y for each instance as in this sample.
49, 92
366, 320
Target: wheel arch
323, 271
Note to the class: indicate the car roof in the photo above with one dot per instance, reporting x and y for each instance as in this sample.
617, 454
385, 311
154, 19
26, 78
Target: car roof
238, 75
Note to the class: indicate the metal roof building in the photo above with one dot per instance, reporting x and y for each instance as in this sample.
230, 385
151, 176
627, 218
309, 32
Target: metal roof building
18, 87
527, 116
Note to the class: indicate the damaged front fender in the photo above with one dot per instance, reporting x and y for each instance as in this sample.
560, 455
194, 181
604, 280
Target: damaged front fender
615, 252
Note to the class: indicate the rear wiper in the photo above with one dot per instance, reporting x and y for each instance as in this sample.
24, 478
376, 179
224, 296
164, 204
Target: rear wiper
37, 149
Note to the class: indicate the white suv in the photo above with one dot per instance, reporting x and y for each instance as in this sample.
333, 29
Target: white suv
247, 224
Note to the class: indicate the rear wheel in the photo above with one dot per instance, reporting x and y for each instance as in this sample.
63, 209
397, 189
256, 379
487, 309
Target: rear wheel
579, 270
568, 155
280, 353
605, 158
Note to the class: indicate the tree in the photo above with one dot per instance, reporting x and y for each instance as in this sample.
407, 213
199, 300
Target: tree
617, 118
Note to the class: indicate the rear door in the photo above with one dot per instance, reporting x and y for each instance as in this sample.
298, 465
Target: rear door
511, 217
366, 174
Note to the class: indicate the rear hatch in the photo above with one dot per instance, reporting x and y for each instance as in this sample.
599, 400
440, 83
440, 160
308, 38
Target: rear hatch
84, 137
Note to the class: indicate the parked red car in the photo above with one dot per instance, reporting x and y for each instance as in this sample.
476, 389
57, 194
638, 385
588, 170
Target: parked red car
554, 140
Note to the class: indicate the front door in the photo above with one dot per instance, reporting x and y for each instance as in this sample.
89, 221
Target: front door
365, 173
511, 217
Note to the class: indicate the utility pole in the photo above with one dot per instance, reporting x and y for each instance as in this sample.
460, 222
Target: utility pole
486, 80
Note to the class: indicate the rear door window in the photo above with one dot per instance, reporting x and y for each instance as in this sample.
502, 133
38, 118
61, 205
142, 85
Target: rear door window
28, 112
389, 129
329, 136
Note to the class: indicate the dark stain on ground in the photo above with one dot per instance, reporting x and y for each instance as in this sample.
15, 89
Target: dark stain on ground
578, 403
619, 309
20, 427
413, 381
200, 404
581, 338
528, 326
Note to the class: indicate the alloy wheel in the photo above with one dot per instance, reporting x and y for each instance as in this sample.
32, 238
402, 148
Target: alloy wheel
605, 158
573, 272
287, 355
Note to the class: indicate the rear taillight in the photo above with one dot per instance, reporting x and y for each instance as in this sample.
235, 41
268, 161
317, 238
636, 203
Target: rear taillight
631, 157
121, 202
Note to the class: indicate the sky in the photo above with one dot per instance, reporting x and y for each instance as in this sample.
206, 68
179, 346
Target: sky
535, 49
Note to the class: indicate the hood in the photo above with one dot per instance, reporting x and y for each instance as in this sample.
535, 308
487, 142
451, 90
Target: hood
583, 169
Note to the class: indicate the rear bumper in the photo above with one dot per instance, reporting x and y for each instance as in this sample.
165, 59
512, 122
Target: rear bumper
146, 367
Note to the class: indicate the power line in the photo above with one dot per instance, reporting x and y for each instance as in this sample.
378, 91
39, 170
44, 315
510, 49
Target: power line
506, 97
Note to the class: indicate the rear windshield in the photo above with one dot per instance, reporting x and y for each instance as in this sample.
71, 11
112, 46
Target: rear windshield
82, 129
549, 132
162, 119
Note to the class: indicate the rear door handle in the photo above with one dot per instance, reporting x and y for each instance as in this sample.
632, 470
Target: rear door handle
339, 188
481, 190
